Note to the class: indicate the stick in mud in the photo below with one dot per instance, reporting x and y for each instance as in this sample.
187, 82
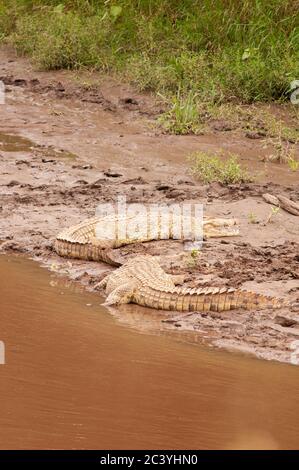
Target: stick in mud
283, 202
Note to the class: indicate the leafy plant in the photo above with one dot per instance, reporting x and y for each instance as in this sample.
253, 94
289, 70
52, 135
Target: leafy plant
274, 211
193, 258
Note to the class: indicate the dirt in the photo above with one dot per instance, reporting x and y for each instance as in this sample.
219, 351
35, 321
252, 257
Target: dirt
66, 146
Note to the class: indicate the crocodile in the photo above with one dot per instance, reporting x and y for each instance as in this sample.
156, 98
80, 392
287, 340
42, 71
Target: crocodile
86, 241
142, 281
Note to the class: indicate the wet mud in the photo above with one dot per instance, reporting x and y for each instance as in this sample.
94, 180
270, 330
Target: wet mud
65, 149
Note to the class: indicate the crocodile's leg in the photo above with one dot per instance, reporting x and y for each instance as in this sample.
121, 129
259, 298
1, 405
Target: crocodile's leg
103, 244
103, 283
121, 295
178, 279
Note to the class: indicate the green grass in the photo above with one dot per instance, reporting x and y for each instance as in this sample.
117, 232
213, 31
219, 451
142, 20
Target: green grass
183, 116
194, 53
210, 168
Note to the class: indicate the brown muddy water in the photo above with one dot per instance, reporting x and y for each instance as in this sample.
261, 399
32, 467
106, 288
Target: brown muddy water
75, 378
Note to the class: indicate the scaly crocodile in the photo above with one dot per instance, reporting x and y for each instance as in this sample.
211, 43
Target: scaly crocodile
84, 241
142, 281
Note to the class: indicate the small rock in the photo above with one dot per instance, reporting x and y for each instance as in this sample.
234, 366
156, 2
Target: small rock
34, 82
255, 135
175, 193
112, 173
59, 87
128, 100
48, 160
22, 162
189, 182
13, 183
285, 321
163, 187
20, 82
83, 167
138, 180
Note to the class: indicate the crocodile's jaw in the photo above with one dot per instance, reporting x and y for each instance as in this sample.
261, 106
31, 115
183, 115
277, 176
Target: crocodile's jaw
218, 232
218, 227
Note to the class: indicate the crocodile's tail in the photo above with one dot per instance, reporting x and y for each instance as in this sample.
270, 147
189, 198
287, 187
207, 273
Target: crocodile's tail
85, 251
229, 299
206, 299
253, 301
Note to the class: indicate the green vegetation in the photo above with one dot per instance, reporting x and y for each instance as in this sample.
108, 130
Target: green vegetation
193, 258
284, 150
209, 168
252, 218
196, 54
273, 213
183, 116
293, 164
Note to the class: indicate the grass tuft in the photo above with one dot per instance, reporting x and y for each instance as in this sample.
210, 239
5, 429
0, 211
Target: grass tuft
212, 168
183, 116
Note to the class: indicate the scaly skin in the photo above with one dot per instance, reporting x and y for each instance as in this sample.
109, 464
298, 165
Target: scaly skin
142, 281
82, 241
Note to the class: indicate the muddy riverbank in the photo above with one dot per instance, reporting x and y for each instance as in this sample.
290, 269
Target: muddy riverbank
66, 148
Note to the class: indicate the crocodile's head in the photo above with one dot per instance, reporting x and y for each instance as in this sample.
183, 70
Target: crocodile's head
218, 227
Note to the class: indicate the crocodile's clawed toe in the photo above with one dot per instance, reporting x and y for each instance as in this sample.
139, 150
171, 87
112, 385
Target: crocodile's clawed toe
102, 284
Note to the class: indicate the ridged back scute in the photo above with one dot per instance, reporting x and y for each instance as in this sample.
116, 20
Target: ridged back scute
80, 233
147, 271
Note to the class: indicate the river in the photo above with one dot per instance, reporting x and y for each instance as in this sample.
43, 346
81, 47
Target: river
76, 378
